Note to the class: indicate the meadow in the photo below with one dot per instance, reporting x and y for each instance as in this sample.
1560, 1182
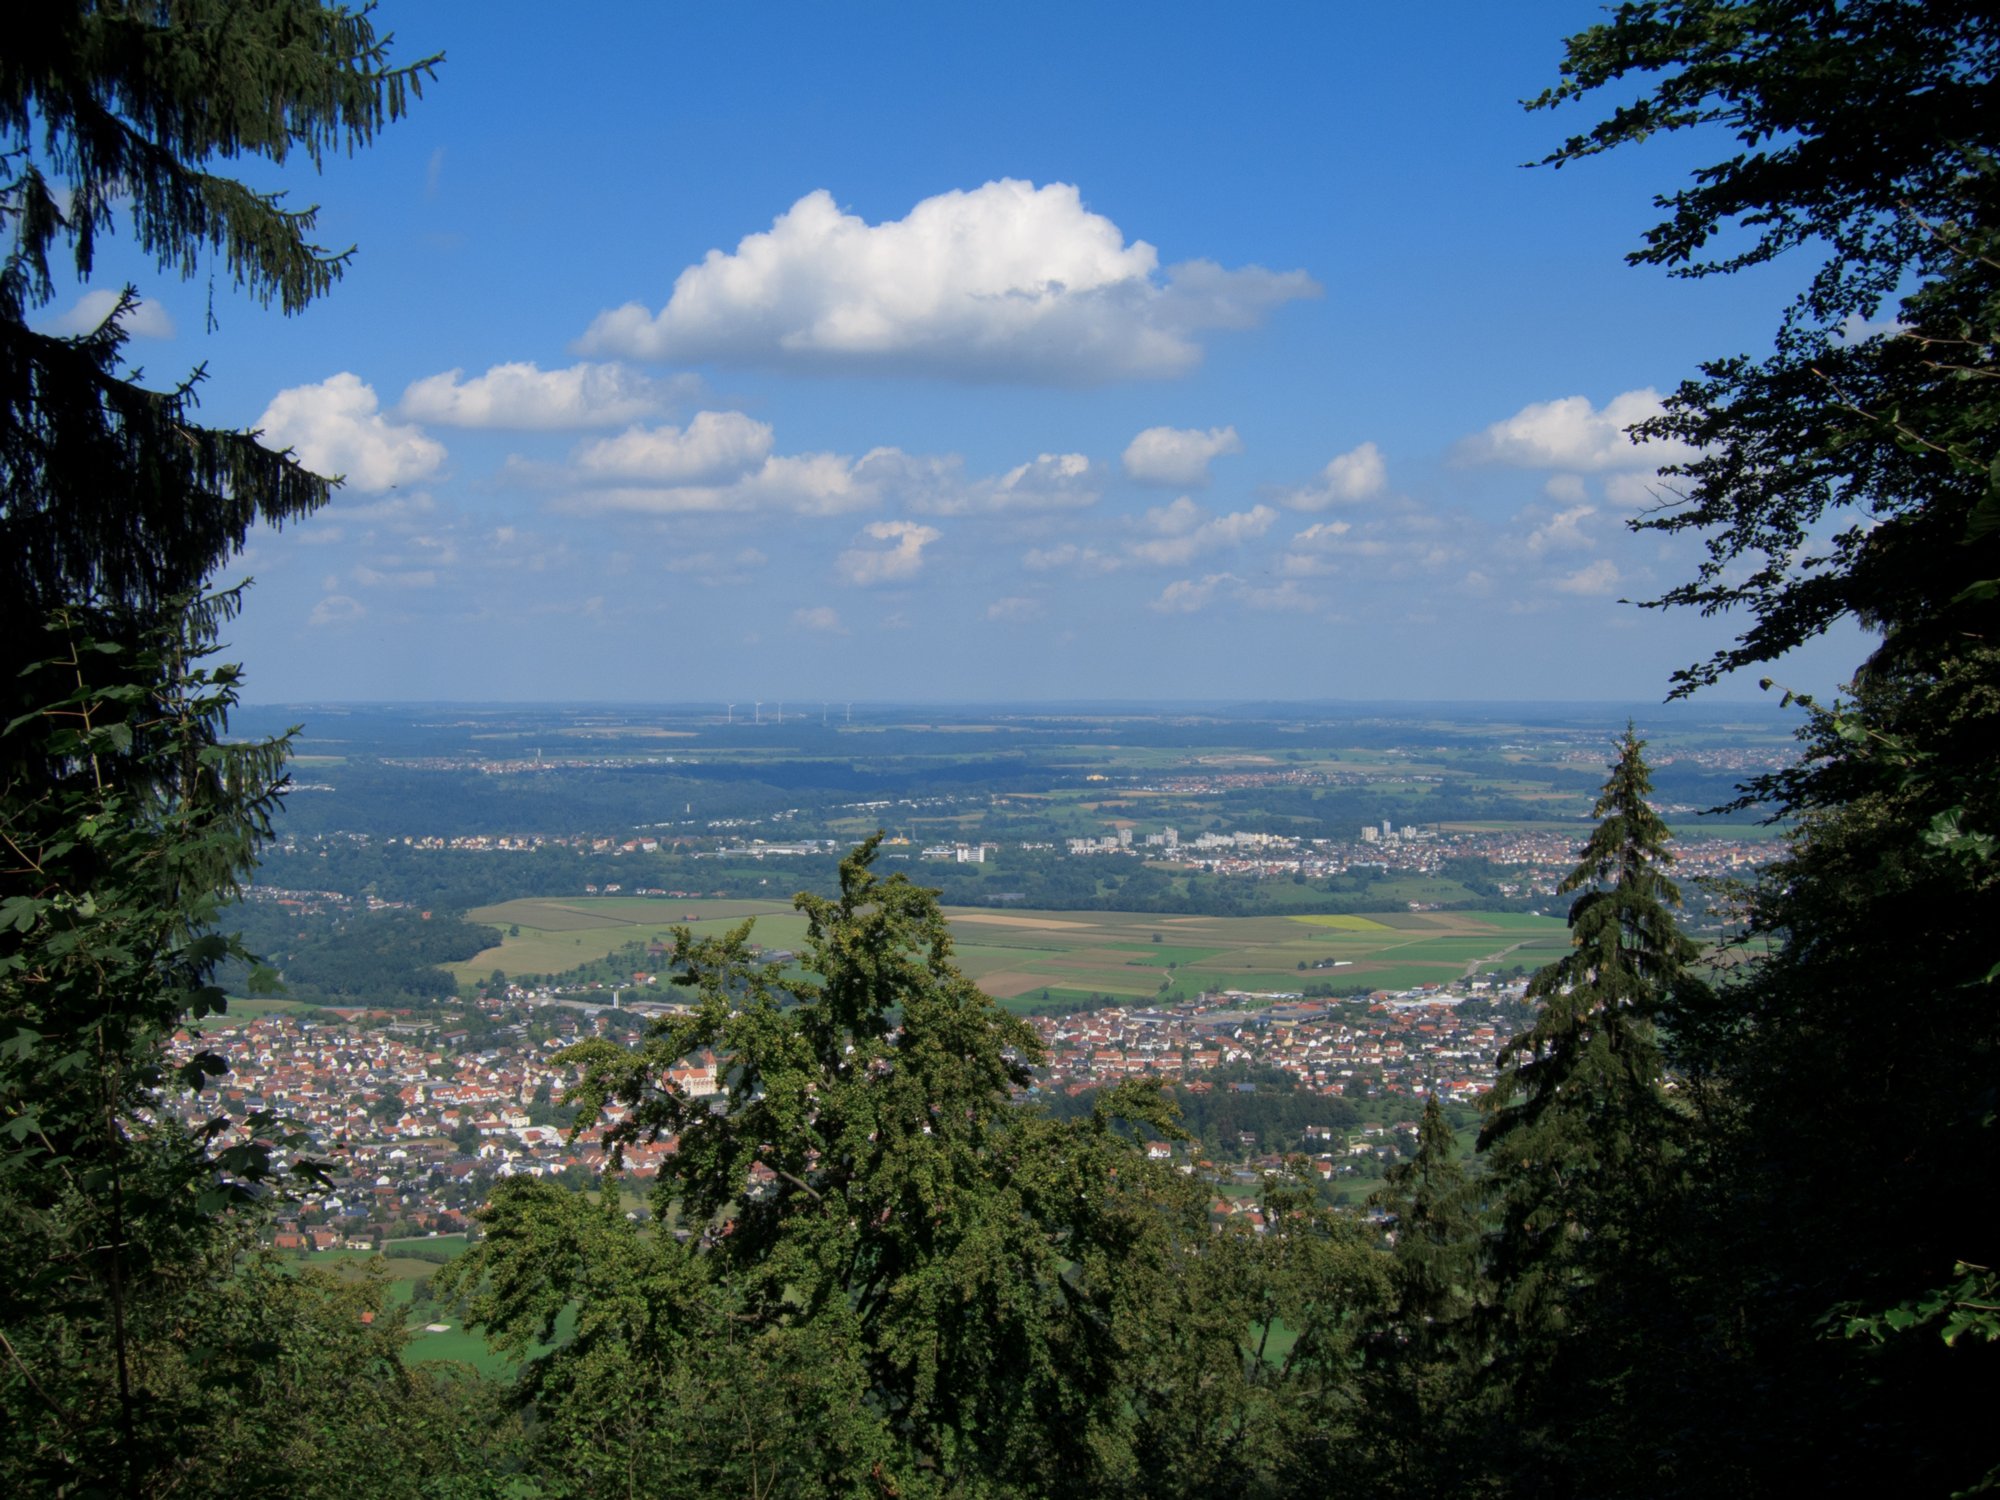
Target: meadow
1029, 958
402, 1266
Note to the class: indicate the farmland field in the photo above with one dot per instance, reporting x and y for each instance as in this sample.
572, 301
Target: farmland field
1072, 955
401, 1275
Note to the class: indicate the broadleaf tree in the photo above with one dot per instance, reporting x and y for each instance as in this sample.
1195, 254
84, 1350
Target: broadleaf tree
1845, 1070
966, 1287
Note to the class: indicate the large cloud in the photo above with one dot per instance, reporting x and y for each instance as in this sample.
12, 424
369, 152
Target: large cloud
1572, 434
1178, 456
1006, 282
1356, 475
716, 445
336, 427
524, 397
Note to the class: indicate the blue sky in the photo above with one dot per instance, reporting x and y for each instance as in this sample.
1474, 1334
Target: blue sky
900, 352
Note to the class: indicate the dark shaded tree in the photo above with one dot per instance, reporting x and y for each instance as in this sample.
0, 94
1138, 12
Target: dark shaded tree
1423, 1430
1843, 1080
127, 814
1583, 1149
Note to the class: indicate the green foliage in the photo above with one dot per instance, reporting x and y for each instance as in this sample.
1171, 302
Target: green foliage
1584, 1150
1842, 1085
125, 821
126, 813
1868, 140
1422, 1408
887, 1268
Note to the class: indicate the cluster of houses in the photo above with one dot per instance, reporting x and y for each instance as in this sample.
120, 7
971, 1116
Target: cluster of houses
1405, 1042
1537, 859
417, 1118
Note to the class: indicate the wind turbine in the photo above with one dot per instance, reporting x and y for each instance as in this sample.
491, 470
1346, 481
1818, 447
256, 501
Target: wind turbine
732, 713
759, 711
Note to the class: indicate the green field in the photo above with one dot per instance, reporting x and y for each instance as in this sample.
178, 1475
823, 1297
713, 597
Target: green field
400, 1274
1015, 955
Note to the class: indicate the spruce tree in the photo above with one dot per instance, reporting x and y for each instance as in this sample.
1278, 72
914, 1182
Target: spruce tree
127, 815
1422, 1418
1582, 1142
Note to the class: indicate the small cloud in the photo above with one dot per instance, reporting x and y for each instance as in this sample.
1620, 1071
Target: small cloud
1182, 516
336, 427
1187, 595
1566, 488
1187, 541
1068, 557
1014, 607
1855, 329
715, 446
336, 609
1593, 580
938, 486
523, 397
822, 618
1008, 281
810, 484
1563, 531
433, 172
903, 559
1178, 456
1639, 491
1356, 475
1572, 434
144, 319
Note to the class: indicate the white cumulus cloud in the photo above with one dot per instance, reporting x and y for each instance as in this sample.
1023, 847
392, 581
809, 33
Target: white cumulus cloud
1640, 491
1593, 580
1572, 434
940, 486
1006, 282
337, 427
1563, 530
715, 445
336, 609
1185, 537
1358, 474
523, 397
143, 319
1186, 595
1178, 455
807, 484
903, 558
